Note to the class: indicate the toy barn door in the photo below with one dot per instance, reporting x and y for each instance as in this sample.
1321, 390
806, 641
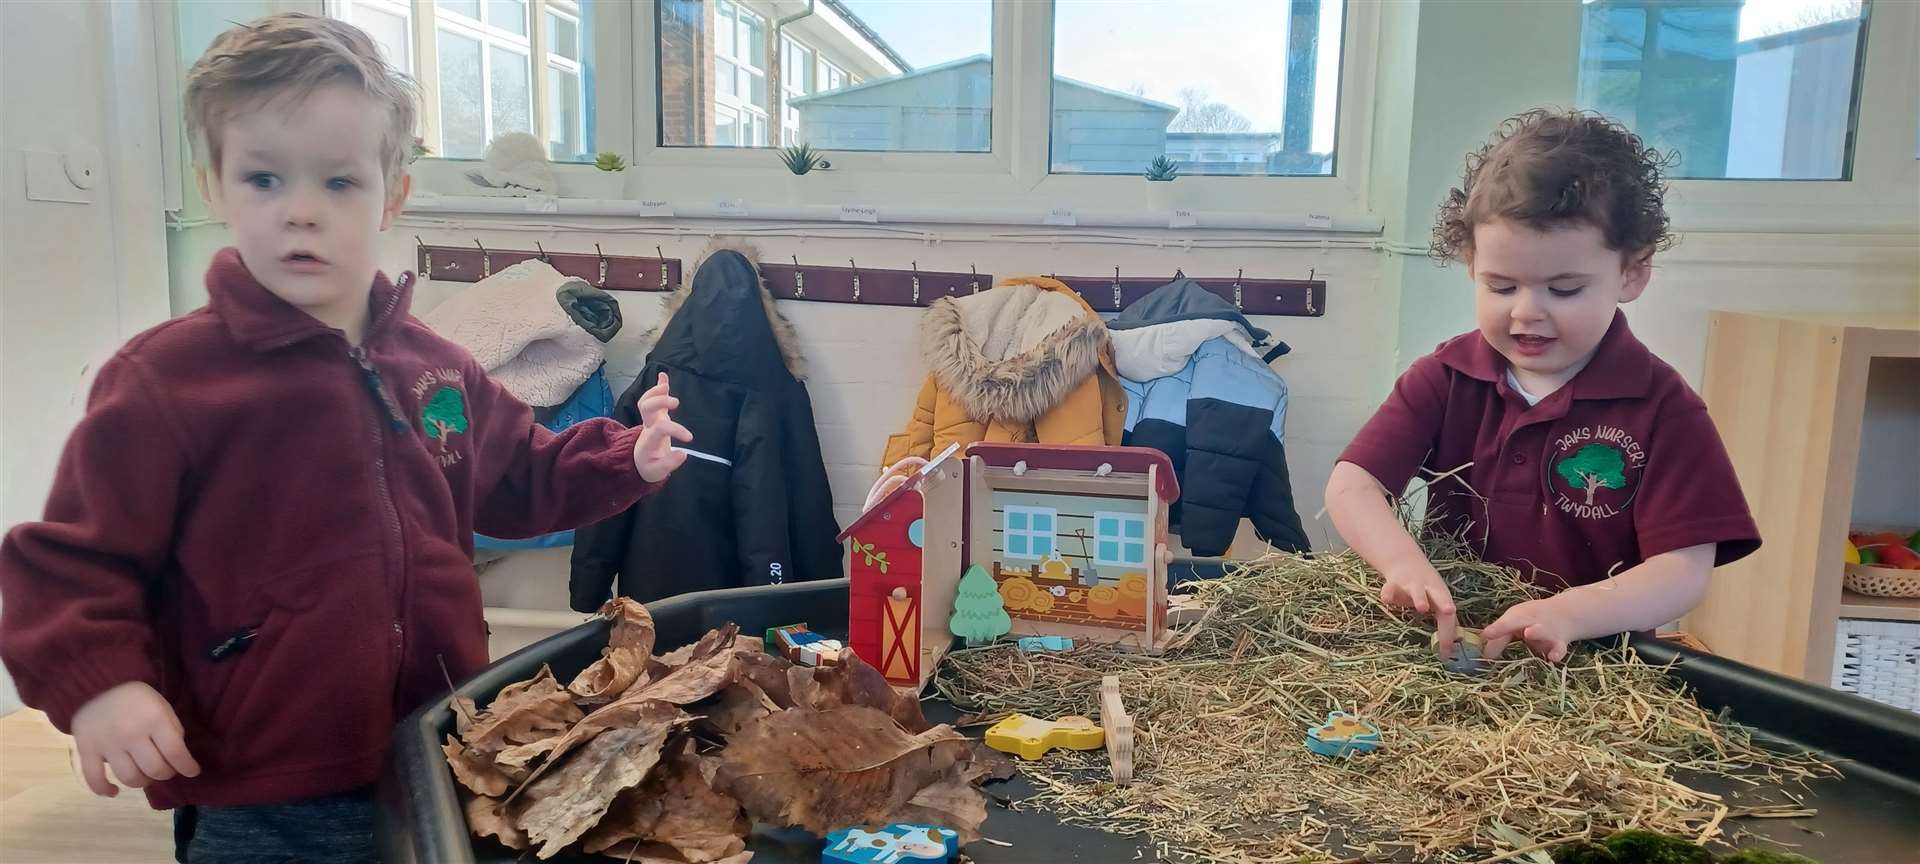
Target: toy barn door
884, 588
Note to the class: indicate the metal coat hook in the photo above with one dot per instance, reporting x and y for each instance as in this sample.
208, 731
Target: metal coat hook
1309, 289
663, 268
856, 279
1238, 273
799, 278
975, 283
916, 283
486, 259
426, 256
543, 252
1116, 288
602, 281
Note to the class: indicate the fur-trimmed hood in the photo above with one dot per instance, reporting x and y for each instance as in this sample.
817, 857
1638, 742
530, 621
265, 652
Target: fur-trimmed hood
1014, 352
706, 326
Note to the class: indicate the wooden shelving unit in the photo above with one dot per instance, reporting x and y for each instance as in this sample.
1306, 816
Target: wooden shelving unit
1790, 398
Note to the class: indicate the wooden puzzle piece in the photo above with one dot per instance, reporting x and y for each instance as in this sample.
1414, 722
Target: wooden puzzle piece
804, 647
1119, 730
1045, 643
1031, 738
1467, 656
1343, 735
896, 843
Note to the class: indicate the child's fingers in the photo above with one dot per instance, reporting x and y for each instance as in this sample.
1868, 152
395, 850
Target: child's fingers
93, 769
1496, 637
676, 431
126, 772
1446, 627
173, 748
147, 758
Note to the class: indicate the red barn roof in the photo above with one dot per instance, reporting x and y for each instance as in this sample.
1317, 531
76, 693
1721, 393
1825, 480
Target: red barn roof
1063, 457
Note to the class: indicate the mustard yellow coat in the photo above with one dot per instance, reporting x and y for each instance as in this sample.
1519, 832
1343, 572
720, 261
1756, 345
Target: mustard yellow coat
1027, 361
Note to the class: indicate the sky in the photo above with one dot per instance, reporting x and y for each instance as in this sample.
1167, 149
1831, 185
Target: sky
1233, 50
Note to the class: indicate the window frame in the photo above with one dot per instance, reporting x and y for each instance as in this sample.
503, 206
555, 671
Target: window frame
1882, 193
1124, 542
1007, 531
1016, 170
603, 57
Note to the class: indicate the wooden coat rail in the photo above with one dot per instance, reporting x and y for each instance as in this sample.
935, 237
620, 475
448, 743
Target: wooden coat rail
868, 286
611, 272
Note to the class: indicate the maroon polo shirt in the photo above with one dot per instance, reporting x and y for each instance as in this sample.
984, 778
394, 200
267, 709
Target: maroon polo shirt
1620, 464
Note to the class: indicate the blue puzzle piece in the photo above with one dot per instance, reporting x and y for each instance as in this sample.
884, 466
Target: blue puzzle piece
1343, 735
895, 844
1045, 643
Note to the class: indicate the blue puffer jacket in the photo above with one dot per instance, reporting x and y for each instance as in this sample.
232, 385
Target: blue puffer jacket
1199, 390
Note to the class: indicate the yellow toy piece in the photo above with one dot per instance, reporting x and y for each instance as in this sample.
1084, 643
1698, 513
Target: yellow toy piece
1031, 737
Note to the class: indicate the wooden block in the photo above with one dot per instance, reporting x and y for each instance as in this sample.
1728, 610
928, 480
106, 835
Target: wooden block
1031, 738
1119, 730
895, 844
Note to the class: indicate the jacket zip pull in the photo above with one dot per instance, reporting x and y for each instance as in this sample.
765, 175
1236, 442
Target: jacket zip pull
378, 388
237, 643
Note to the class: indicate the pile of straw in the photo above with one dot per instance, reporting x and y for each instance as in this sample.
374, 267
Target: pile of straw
1471, 768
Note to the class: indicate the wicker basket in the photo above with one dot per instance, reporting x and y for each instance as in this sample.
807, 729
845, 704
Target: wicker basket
1882, 581
1879, 660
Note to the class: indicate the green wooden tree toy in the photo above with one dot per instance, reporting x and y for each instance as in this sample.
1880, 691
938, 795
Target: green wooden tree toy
978, 614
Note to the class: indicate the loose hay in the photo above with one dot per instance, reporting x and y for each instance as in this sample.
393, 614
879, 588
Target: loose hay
1467, 764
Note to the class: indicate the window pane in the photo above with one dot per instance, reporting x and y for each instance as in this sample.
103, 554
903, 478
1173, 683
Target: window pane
566, 36
469, 8
1016, 544
1042, 547
1016, 520
1136, 529
1043, 522
1747, 89
1136, 553
508, 15
563, 117
1109, 550
463, 130
512, 95
1130, 83
926, 66
389, 31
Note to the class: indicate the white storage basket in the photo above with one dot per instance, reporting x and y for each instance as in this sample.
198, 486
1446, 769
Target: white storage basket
1879, 660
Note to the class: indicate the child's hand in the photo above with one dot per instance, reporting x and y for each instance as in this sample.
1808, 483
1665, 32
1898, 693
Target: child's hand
653, 452
894, 477
1544, 625
1420, 588
132, 728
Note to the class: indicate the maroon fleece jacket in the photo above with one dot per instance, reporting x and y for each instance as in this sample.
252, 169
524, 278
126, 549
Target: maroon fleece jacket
275, 530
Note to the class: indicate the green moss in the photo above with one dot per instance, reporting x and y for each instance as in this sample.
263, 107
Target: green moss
1583, 853
1647, 847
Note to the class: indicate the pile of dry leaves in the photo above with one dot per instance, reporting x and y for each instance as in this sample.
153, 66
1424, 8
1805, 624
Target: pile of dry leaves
673, 758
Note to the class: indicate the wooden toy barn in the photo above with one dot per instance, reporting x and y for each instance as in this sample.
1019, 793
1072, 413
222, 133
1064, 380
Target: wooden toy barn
1073, 539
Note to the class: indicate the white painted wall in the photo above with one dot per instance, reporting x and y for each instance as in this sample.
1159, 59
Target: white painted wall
76, 279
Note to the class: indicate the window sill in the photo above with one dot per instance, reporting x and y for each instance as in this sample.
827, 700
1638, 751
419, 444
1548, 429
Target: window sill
427, 204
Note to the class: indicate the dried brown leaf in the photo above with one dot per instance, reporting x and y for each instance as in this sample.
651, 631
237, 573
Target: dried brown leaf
624, 713
954, 801
523, 713
464, 713
564, 804
769, 673
854, 682
718, 639
629, 645
517, 761
740, 703
654, 853
851, 765
677, 807
475, 772
487, 818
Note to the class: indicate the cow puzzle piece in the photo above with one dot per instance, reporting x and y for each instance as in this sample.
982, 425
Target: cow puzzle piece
1031, 738
894, 844
1343, 735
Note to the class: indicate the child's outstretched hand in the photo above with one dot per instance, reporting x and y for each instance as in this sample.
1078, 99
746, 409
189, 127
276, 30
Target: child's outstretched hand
1420, 588
653, 452
132, 728
1543, 625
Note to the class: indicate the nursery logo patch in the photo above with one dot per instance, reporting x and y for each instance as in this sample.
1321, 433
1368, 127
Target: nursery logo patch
1594, 471
443, 411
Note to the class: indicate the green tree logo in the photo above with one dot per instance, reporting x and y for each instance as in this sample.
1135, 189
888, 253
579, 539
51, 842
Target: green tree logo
444, 414
978, 614
1594, 467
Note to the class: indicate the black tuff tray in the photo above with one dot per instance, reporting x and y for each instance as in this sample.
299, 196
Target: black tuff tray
1869, 816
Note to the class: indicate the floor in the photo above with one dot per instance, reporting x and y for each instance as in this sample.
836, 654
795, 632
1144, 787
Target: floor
47, 814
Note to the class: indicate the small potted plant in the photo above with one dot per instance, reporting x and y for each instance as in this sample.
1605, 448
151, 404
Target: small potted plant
1161, 173
800, 160
610, 182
